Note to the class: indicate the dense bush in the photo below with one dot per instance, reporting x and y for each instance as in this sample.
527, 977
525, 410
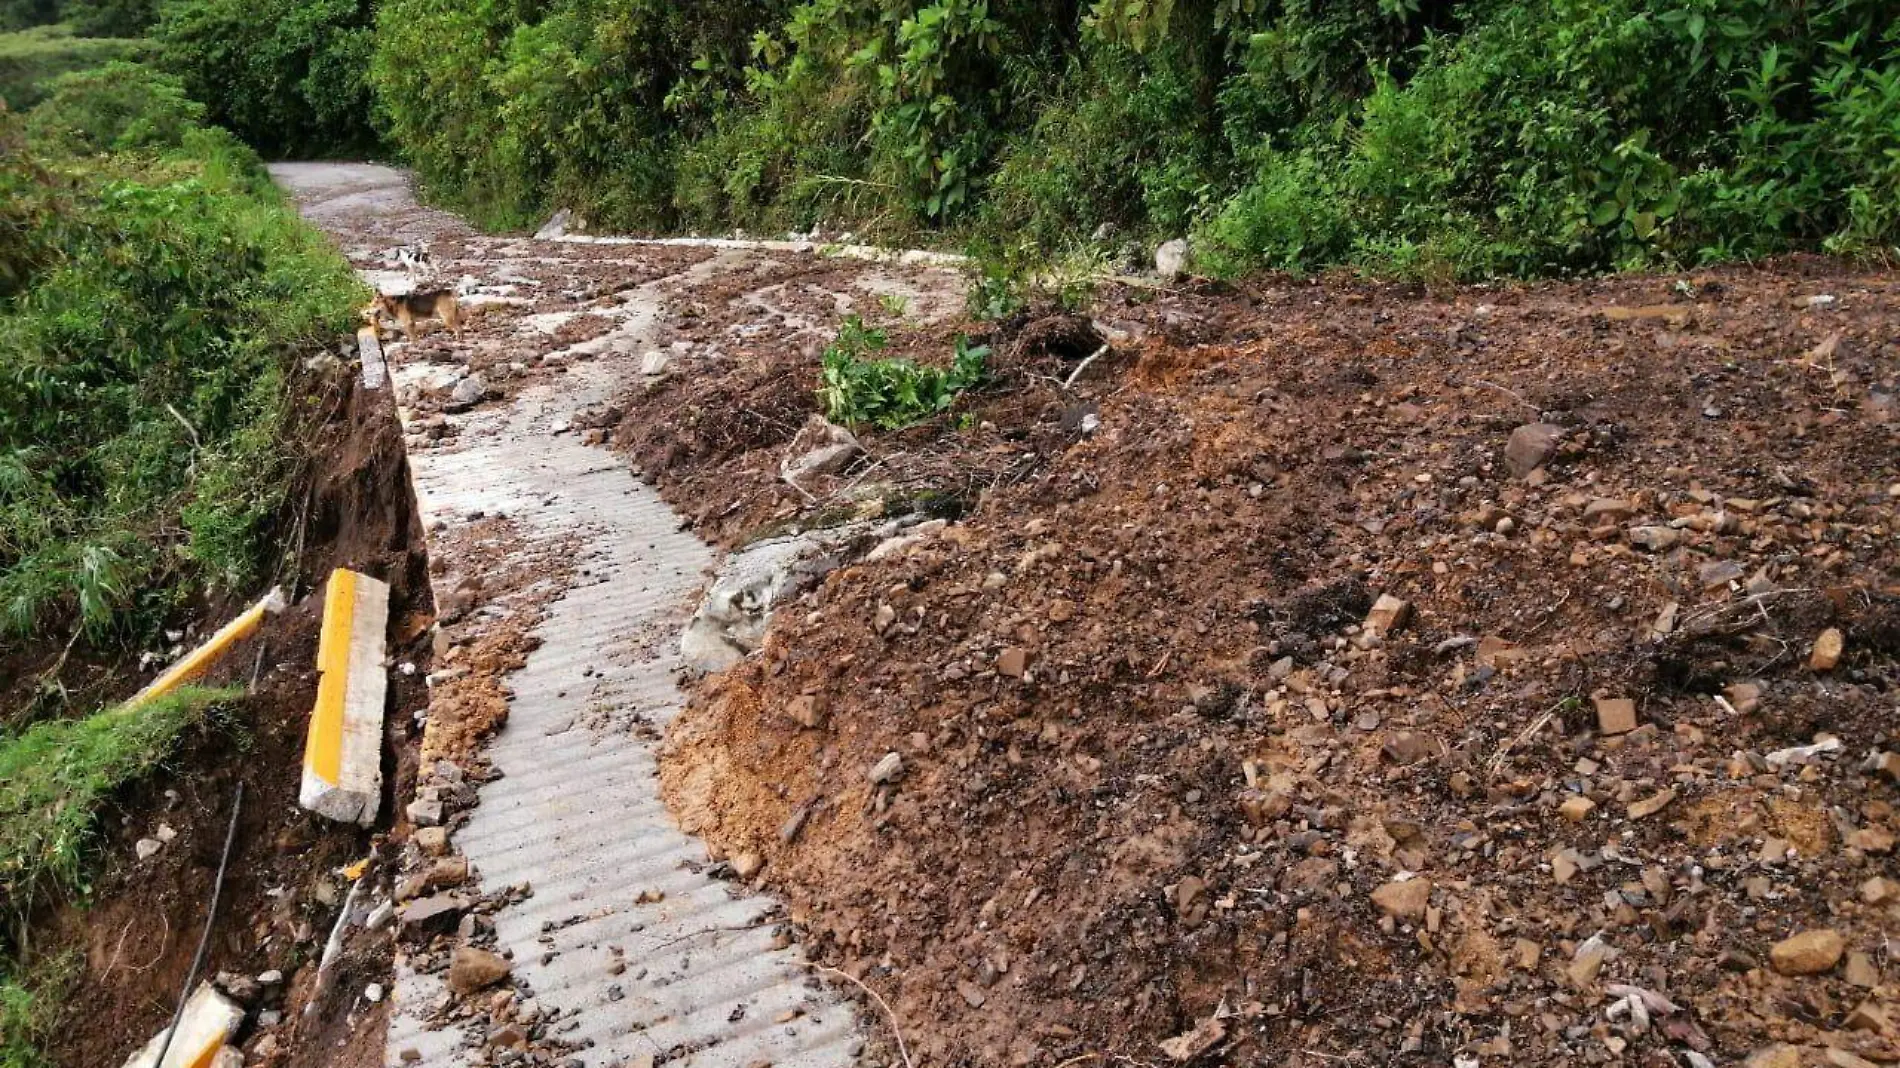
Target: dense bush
32, 58
154, 303
507, 108
1491, 136
290, 77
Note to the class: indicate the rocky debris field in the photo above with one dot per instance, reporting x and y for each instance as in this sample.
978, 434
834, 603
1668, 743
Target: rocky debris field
1331, 673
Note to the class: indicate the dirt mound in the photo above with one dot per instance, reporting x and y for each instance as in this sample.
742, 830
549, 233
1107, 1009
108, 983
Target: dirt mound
1392, 675
138, 929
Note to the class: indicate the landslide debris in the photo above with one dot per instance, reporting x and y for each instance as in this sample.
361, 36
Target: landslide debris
1507, 676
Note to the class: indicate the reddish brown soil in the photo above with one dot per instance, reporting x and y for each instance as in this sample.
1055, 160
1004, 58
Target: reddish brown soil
137, 930
1173, 821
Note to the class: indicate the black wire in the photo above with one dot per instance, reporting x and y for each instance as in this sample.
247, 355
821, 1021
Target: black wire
204, 940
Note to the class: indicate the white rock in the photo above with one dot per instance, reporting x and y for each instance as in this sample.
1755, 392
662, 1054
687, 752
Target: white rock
147, 848
1171, 259
887, 769
655, 362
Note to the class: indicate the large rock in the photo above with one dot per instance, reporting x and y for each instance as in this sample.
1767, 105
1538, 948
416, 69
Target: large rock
731, 621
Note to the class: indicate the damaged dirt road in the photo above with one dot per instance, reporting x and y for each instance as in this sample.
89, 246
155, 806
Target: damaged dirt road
1325, 673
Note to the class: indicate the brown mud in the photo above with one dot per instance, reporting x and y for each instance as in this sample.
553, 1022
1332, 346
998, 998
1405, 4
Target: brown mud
1172, 791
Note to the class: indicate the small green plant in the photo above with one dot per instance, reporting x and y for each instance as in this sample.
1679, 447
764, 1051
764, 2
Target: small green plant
891, 394
896, 304
993, 296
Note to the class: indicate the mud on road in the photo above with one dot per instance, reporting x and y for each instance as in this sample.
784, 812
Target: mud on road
1328, 673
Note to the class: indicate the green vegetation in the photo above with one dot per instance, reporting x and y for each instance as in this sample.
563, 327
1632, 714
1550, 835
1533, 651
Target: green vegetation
890, 394
154, 293
1411, 136
289, 77
56, 774
30, 1000
31, 58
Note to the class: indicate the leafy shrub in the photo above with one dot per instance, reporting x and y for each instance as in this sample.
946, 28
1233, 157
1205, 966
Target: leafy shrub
291, 77
511, 110
893, 393
120, 107
30, 59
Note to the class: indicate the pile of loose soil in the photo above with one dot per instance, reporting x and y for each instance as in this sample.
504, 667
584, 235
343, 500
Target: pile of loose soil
1347, 673
135, 933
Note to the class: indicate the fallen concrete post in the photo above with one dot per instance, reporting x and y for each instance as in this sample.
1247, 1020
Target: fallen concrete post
208, 1022
343, 756
199, 660
370, 348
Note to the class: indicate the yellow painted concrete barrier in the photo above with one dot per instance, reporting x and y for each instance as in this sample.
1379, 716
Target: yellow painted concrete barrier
209, 1021
199, 660
343, 756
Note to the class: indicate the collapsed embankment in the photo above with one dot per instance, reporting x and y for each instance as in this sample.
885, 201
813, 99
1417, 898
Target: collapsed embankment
124, 950
1134, 762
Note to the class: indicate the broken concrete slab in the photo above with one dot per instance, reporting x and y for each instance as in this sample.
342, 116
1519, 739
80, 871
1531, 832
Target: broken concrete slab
209, 1021
343, 754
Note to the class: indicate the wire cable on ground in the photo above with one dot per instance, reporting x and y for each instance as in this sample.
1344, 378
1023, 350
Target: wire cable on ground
204, 939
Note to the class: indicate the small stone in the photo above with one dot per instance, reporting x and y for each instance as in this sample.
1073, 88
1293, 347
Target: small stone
1171, 259
747, 864
1616, 715
887, 769
1840, 1058
1531, 446
1861, 971
1404, 900
1013, 661
1827, 650
430, 915
1720, 573
425, 812
1608, 510
1655, 539
1587, 962
806, 710
1061, 610
1388, 614
1564, 866
472, 969
165, 833
373, 993
467, 393
1652, 804
147, 848
409, 1055
1744, 696
655, 362
1879, 890
1868, 1016
433, 841
1872, 840
1808, 953
1577, 809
